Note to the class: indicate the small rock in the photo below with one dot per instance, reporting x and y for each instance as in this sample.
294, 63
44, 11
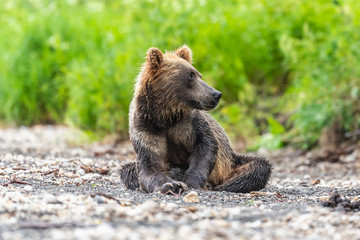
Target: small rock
262, 193
149, 205
99, 199
324, 198
340, 208
357, 198
90, 176
28, 188
191, 197
81, 172
49, 198
315, 182
192, 209
77, 181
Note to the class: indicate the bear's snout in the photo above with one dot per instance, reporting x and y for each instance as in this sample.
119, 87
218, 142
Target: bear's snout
217, 95
212, 100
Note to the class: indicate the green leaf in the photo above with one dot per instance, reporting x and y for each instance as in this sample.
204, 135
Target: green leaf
275, 127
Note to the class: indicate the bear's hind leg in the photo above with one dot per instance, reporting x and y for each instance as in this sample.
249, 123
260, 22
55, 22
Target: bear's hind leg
250, 174
129, 176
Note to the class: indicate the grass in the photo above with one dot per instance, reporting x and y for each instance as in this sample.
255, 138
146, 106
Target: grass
75, 62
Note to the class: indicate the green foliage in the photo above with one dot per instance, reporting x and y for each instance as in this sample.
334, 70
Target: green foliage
75, 62
31, 84
273, 139
325, 79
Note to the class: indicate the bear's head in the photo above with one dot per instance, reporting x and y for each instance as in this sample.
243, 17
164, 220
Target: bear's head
169, 84
171, 78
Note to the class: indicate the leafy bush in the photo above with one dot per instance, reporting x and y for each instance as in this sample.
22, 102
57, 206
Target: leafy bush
75, 62
325, 81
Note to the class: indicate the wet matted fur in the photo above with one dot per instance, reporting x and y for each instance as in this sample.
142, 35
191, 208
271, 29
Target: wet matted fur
178, 144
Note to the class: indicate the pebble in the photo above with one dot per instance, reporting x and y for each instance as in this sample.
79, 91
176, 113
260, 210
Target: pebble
149, 205
91, 176
191, 197
81, 172
99, 199
49, 198
306, 177
77, 181
28, 188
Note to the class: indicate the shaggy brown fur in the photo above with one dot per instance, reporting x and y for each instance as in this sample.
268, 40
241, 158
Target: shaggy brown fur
178, 144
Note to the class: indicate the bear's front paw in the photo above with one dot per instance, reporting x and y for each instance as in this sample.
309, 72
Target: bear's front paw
173, 187
194, 183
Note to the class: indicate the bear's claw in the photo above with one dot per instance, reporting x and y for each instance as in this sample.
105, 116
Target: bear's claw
173, 187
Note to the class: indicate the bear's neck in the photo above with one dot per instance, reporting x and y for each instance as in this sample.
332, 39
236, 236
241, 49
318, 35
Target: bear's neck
156, 114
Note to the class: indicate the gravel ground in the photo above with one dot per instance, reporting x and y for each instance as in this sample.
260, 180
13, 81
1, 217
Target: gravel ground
50, 188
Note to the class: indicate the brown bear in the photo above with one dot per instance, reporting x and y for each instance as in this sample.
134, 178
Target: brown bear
178, 144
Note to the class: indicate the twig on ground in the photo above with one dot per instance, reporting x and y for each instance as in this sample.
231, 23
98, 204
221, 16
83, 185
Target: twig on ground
102, 171
14, 180
71, 160
88, 169
45, 225
258, 193
122, 202
50, 172
109, 151
18, 168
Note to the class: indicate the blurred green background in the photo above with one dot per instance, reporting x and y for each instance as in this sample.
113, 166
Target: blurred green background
287, 69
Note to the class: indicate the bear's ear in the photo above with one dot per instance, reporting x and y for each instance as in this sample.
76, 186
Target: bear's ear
185, 53
154, 57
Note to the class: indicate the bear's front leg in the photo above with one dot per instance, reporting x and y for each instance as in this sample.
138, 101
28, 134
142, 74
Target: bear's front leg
152, 165
154, 180
202, 162
152, 170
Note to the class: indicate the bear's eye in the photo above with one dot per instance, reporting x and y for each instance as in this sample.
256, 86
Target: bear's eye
191, 80
191, 76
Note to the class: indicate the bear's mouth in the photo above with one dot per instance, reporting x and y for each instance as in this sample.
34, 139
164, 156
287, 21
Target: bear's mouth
211, 106
203, 106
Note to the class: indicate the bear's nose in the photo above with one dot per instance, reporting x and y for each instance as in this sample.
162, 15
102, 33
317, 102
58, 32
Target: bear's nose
217, 95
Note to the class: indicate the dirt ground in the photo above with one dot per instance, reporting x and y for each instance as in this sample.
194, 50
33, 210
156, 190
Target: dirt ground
53, 188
